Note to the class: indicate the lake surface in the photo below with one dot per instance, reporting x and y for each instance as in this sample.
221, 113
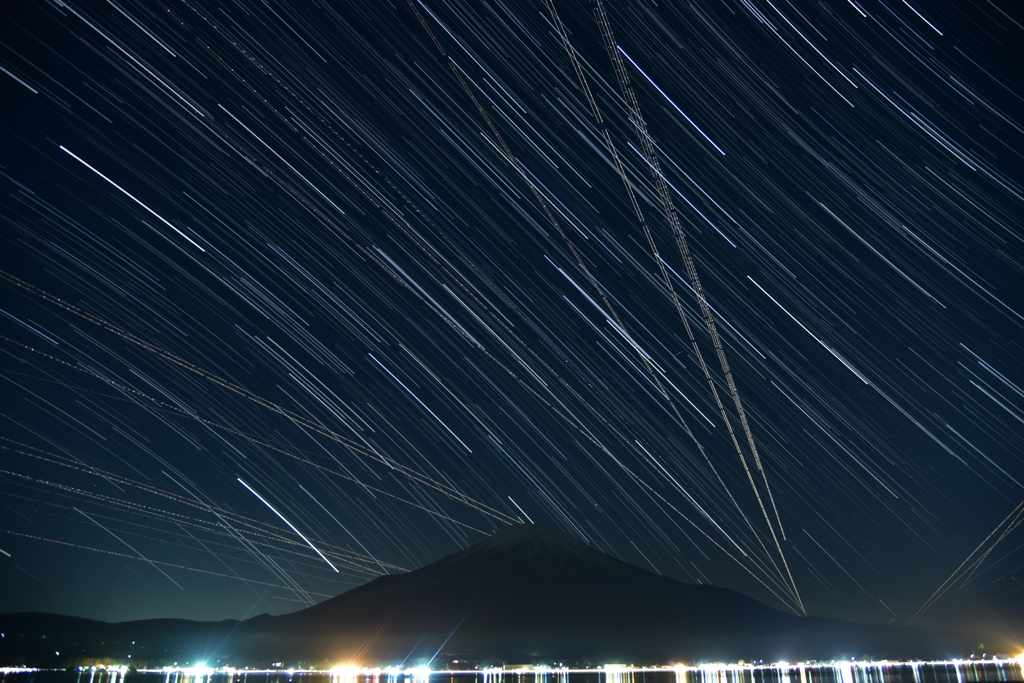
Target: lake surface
961, 671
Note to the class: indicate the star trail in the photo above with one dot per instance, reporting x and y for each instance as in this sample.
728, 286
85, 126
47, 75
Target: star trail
297, 294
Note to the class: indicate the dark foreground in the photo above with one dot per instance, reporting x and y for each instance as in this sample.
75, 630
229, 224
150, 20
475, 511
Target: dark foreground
527, 595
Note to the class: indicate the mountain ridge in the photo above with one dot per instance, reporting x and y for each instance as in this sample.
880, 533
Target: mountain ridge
527, 593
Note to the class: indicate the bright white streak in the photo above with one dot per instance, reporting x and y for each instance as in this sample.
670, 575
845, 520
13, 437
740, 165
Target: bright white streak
34, 91
521, 510
922, 17
827, 347
290, 525
670, 100
162, 219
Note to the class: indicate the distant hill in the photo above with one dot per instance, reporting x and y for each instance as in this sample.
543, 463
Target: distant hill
528, 594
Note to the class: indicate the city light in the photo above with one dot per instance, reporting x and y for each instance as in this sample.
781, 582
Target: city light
838, 671
347, 670
200, 669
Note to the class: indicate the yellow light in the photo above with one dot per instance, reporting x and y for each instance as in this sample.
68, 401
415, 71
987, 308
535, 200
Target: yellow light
346, 670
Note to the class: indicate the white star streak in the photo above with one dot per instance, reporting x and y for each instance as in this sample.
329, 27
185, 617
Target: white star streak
290, 525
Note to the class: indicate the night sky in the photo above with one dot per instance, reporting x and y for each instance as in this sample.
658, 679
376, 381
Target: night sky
296, 294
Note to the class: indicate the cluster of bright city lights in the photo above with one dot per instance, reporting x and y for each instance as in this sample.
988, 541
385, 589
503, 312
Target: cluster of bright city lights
850, 671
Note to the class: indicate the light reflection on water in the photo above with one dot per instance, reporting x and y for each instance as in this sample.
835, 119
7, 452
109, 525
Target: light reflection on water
953, 671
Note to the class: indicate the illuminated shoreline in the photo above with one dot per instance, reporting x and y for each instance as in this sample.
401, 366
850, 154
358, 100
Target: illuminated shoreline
614, 672
986, 670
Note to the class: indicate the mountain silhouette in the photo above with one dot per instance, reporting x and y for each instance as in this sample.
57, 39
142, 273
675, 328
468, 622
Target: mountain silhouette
530, 593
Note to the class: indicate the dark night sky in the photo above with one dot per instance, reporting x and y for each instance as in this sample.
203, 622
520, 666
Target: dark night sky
296, 287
